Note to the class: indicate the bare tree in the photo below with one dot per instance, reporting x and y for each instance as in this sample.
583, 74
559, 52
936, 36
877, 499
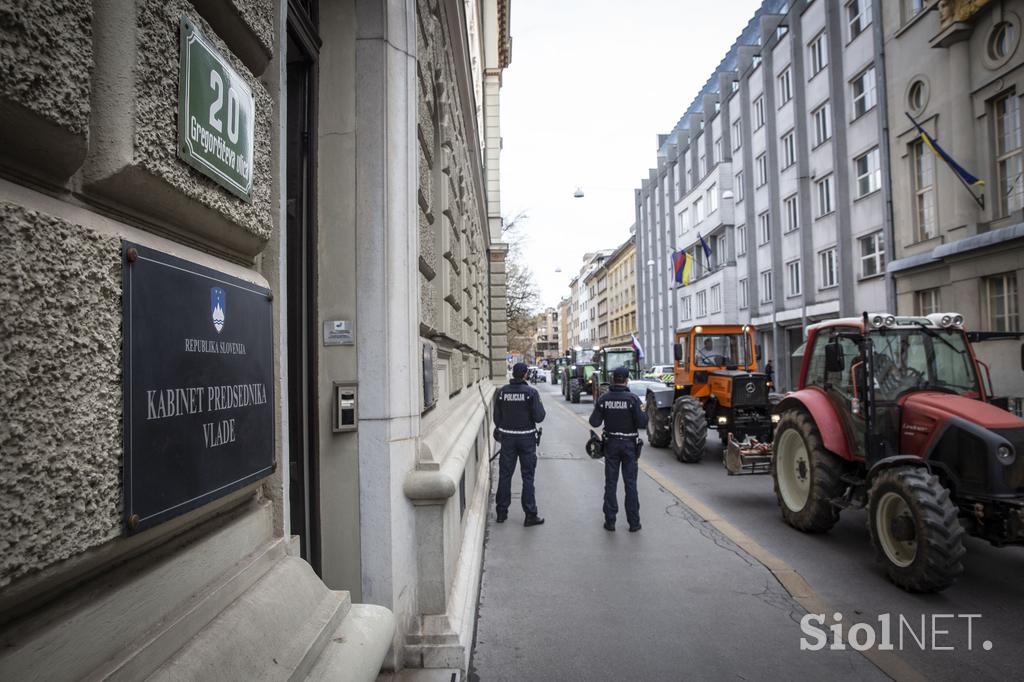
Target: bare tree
522, 295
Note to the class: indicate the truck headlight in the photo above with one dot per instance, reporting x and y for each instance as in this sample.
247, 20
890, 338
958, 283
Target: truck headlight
776, 418
1005, 454
722, 420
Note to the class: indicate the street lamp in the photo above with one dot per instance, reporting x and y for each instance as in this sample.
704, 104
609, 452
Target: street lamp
578, 193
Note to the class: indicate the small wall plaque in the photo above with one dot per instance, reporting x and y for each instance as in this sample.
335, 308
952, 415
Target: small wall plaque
338, 333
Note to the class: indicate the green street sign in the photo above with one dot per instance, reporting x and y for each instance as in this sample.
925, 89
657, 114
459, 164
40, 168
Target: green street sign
216, 114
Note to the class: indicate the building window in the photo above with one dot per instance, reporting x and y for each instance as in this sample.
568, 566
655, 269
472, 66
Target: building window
755, 61
758, 112
762, 170
686, 312
717, 158
742, 293
702, 304
790, 210
737, 133
764, 231
1008, 154
828, 268
872, 255
716, 298
739, 187
741, 240
698, 210
785, 87
793, 278
712, 196
864, 96
1000, 294
822, 124
911, 8
923, 173
780, 31
766, 286
684, 220
819, 53
824, 187
788, 150
926, 302
918, 96
858, 13
702, 166
869, 173
1002, 41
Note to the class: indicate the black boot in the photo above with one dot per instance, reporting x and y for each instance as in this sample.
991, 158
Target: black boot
501, 517
533, 520
609, 525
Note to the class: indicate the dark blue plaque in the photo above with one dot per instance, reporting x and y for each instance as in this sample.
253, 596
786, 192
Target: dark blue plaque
198, 385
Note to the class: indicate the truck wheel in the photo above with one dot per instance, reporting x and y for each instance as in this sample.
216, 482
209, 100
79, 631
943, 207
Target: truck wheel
565, 388
574, 390
658, 435
805, 475
689, 430
915, 530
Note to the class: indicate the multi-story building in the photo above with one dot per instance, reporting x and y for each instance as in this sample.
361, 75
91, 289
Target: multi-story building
226, 446
621, 268
597, 284
574, 313
778, 165
956, 67
584, 296
564, 341
546, 339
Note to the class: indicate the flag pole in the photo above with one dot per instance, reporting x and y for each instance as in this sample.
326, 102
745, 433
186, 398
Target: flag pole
980, 200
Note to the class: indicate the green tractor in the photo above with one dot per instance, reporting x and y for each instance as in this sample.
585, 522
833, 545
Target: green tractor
557, 366
578, 372
609, 359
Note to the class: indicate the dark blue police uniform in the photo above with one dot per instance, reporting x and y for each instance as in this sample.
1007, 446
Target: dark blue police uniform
517, 411
623, 420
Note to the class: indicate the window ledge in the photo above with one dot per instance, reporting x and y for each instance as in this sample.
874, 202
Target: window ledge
868, 278
868, 195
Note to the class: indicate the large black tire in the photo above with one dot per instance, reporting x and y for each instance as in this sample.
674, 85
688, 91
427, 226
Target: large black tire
574, 390
689, 430
805, 475
658, 435
565, 387
915, 530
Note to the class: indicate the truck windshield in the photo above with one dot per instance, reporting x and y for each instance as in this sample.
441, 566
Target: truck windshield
622, 358
585, 356
722, 350
914, 360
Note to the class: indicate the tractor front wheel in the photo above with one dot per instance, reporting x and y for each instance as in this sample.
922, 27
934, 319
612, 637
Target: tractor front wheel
915, 529
806, 476
574, 390
658, 435
689, 430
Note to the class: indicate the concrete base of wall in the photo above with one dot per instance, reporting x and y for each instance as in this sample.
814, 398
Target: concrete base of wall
227, 601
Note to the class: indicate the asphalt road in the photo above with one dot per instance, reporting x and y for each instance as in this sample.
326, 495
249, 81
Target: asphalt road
840, 567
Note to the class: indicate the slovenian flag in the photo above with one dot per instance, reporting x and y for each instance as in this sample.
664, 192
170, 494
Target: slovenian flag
637, 347
960, 171
682, 263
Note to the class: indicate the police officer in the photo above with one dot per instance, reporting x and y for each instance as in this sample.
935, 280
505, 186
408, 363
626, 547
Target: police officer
517, 411
623, 420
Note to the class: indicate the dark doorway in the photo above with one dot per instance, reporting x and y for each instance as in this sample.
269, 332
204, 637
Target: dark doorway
301, 237
795, 337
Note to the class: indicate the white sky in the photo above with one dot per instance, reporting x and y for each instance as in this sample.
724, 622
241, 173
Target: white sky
591, 85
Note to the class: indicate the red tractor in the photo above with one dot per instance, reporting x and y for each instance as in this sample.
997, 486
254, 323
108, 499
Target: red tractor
892, 415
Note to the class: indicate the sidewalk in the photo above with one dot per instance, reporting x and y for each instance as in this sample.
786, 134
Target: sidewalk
678, 600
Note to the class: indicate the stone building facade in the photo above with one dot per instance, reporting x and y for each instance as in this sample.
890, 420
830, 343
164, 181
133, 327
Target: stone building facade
621, 267
370, 228
779, 164
958, 69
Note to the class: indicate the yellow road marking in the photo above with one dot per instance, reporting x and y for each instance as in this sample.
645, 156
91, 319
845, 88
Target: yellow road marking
790, 579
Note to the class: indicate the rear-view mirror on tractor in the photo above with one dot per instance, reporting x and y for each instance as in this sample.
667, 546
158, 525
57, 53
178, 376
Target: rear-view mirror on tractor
834, 361
678, 351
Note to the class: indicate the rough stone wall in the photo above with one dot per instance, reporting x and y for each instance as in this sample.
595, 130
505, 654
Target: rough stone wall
60, 390
452, 263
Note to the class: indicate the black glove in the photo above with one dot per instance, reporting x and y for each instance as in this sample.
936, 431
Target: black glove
639, 447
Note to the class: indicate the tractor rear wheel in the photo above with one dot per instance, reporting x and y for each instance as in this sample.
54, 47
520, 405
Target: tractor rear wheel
689, 430
915, 529
806, 476
574, 390
565, 387
658, 435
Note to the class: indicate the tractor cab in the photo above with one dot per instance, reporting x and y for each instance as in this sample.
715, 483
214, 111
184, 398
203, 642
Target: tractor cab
708, 349
607, 360
581, 364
